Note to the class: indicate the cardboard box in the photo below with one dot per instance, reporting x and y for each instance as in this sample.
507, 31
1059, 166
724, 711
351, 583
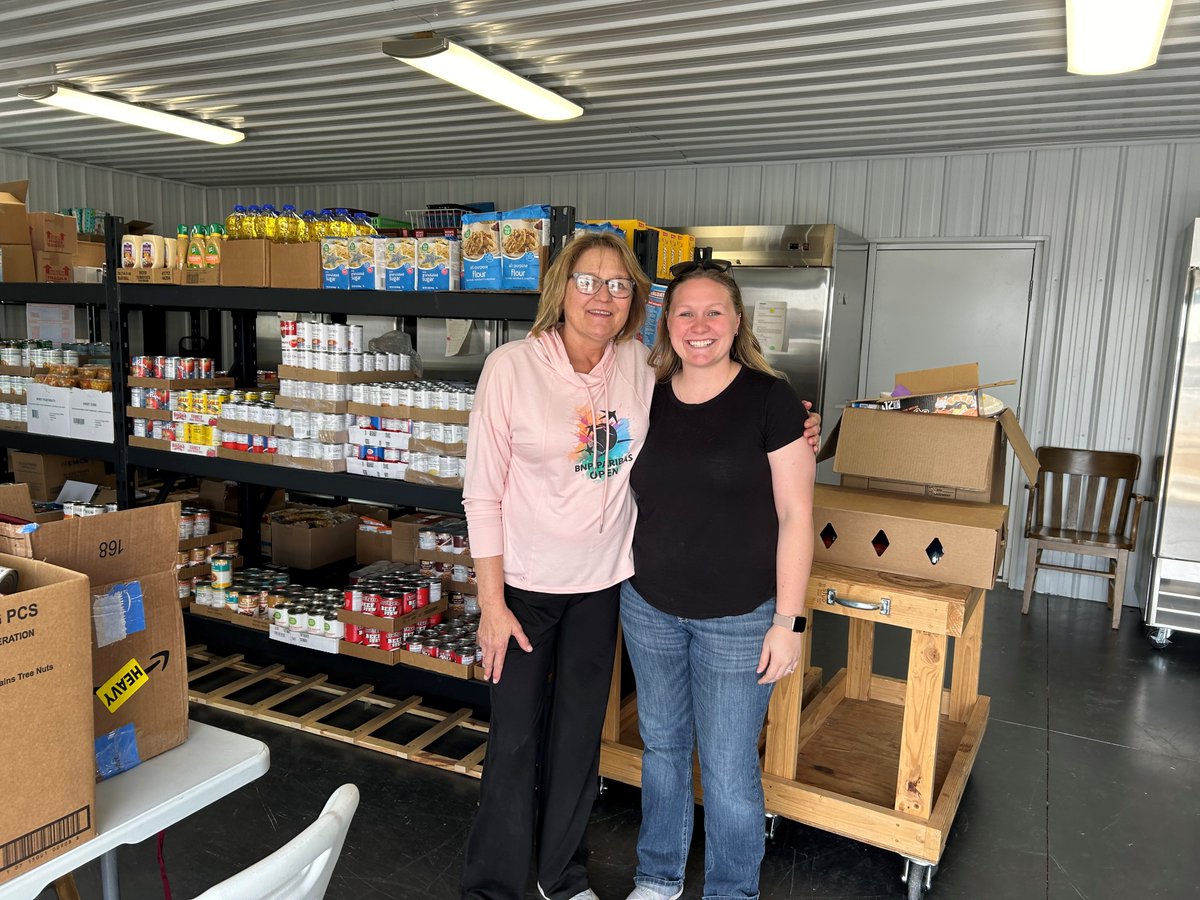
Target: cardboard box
939, 540
150, 276
311, 548
46, 474
322, 376
52, 233
52, 268
45, 715
406, 532
14, 226
139, 667
372, 546
246, 263
16, 263
88, 253
87, 274
296, 265
209, 277
946, 457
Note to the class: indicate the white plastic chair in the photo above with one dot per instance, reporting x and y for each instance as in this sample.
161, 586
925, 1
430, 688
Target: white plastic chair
301, 868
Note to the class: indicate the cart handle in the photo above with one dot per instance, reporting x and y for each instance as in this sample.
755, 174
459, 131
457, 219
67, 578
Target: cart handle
884, 606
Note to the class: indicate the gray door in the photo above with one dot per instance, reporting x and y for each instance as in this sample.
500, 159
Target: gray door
939, 305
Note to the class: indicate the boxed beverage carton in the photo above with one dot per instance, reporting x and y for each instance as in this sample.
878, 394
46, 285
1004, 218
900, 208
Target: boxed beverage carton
45, 715
951, 457
139, 668
481, 258
525, 246
940, 540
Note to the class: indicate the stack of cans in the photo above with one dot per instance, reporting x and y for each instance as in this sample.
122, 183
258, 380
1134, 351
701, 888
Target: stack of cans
172, 367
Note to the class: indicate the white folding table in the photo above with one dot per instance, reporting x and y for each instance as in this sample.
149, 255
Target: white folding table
138, 804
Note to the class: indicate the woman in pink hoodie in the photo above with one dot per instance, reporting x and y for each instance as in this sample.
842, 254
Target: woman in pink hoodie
559, 419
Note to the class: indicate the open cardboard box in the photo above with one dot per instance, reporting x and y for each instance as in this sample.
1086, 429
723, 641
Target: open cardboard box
139, 669
945, 457
45, 715
14, 223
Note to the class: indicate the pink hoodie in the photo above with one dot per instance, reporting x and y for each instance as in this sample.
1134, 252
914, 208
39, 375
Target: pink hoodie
542, 437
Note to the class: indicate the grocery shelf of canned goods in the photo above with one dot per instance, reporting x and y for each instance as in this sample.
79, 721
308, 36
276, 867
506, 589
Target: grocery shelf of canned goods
430, 304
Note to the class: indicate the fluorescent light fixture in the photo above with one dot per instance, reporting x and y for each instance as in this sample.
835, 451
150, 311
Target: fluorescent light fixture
128, 113
1105, 37
468, 70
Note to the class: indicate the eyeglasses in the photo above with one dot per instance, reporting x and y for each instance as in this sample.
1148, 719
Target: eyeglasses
708, 265
618, 288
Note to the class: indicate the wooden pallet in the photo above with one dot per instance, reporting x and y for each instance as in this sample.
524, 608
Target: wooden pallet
207, 666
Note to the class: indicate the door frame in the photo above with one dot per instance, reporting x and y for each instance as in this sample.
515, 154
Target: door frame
1027, 384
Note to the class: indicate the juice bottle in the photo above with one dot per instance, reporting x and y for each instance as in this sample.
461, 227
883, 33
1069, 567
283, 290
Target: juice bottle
270, 220
291, 227
197, 248
212, 247
233, 222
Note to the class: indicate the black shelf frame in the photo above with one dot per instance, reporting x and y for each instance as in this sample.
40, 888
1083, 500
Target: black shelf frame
60, 446
335, 484
66, 294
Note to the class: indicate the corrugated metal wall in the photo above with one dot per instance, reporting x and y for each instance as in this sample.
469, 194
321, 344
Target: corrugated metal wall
1112, 218
55, 184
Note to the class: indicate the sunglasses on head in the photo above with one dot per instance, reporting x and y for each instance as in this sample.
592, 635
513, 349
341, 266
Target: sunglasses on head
708, 265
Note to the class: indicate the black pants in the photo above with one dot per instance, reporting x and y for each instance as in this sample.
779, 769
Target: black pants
573, 637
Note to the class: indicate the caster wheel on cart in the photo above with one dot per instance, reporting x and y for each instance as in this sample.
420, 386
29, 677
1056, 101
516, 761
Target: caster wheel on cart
1160, 637
918, 877
771, 825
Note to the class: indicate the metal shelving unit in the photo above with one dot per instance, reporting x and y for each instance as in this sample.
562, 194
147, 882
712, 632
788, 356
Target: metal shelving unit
60, 446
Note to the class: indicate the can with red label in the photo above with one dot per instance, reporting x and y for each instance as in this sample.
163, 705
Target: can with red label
353, 633
393, 640
205, 368
390, 606
352, 599
371, 637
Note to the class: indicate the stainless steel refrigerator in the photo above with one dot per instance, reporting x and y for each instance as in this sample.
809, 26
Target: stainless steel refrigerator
1173, 600
816, 311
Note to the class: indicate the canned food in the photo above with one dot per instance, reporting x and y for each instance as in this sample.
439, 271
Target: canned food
222, 571
371, 637
201, 522
187, 525
297, 618
316, 620
230, 548
184, 588
353, 633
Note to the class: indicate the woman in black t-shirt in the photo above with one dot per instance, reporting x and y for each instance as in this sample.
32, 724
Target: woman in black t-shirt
722, 550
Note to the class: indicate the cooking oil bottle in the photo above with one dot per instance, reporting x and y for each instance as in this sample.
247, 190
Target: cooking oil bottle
363, 225
270, 220
310, 225
252, 223
233, 223
197, 248
344, 224
290, 227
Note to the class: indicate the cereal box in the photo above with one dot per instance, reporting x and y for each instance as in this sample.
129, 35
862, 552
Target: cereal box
365, 255
335, 263
481, 251
400, 264
438, 260
525, 246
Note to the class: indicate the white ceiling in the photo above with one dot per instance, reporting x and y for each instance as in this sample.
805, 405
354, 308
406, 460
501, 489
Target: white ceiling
662, 82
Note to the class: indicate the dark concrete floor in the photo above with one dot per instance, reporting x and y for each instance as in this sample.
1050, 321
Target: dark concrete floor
1087, 786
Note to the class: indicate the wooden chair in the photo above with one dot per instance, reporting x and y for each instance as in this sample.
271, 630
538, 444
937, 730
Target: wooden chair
1084, 503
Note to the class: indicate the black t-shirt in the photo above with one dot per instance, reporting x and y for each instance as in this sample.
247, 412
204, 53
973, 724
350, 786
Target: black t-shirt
704, 545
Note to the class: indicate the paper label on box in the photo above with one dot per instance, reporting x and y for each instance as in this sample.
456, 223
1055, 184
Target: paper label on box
125, 682
304, 639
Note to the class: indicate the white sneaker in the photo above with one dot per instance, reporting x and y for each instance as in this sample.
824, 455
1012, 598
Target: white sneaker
642, 892
589, 894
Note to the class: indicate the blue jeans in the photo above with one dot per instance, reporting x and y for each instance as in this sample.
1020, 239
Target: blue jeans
696, 683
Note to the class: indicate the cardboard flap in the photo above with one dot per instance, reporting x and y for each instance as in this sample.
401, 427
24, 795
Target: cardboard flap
932, 381
905, 506
15, 501
14, 192
1020, 444
950, 450
829, 449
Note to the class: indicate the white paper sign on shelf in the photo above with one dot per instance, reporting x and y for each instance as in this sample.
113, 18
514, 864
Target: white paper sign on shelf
770, 325
457, 331
50, 322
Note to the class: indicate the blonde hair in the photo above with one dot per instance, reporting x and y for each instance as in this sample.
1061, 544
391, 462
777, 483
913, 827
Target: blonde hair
745, 349
554, 285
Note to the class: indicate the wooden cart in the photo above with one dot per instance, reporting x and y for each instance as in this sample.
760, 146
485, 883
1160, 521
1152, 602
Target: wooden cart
875, 759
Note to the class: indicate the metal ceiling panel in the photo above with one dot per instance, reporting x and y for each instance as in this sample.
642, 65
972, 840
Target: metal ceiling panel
662, 83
